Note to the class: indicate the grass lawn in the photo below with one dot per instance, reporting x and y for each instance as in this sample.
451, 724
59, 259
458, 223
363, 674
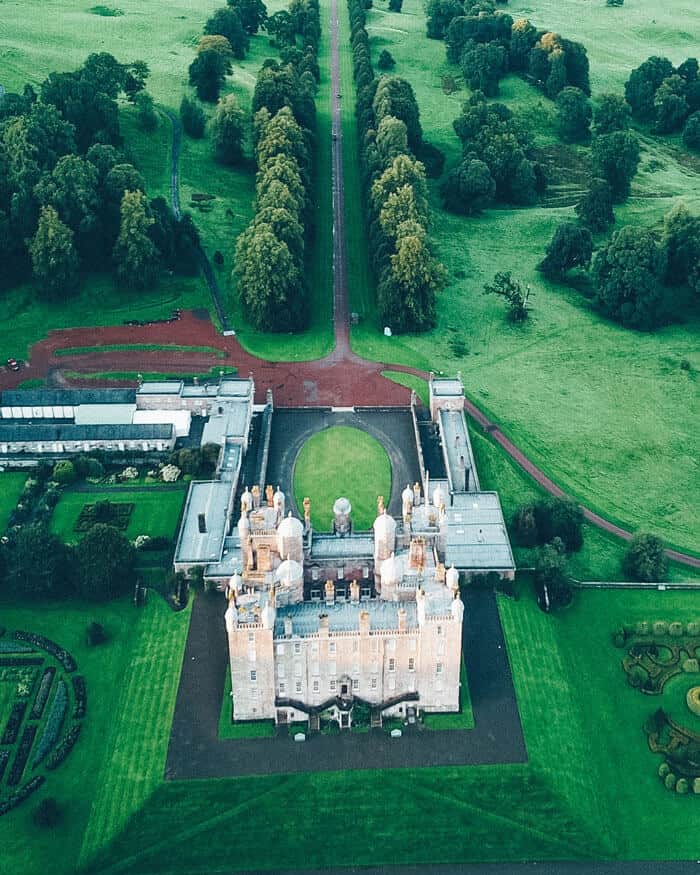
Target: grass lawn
11, 486
246, 728
606, 412
464, 719
128, 701
419, 386
136, 347
156, 513
342, 461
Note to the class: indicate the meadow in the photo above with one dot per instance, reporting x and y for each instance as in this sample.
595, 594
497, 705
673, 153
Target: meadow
608, 413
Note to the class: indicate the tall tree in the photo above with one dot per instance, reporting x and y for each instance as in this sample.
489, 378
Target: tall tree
226, 21
395, 97
469, 188
227, 129
681, 239
105, 564
573, 115
571, 246
626, 274
207, 73
38, 562
54, 259
612, 113
615, 158
253, 14
640, 88
135, 255
192, 117
595, 209
72, 188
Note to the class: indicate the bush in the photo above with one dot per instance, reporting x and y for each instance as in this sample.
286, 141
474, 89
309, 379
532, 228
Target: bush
618, 638
64, 472
693, 628
80, 693
64, 748
42, 693
54, 722
696, 785
386, 60
95, 634
682, 785
675, 629
660, 628
643, 628
47, 814
192, 117
664, 769
670, 781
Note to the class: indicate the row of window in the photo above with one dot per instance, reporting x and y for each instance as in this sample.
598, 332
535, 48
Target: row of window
355, 682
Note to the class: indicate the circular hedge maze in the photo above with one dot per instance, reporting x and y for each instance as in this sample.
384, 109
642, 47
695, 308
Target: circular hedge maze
42, 704
657, 652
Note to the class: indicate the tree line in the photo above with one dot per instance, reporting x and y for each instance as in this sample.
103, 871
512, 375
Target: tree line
271, 253
408, 274
70, 198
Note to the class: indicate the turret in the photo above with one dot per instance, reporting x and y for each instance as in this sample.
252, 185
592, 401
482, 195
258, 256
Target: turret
278, 503
290, 538
452, 579
384, 536
341, 516
457, 608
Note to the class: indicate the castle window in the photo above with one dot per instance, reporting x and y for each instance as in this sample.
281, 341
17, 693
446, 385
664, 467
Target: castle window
411, 663
315, 595
331, 647
365, 571
253, 677
439, 630
355, 684
332, 686
297, 647
316, 686
282, 687
297, 686
314, 574
251, 637
373, 683
280, 650
280, 671
392, 665
365, 592
438, 668
297, 669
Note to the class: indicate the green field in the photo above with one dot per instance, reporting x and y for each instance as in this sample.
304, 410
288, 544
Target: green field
11, 486
156, 512
342, 461
606, 412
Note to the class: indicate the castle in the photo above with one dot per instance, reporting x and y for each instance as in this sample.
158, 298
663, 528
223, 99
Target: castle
320, 622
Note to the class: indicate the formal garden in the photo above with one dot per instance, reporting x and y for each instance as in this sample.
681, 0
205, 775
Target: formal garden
43, 703
662, 660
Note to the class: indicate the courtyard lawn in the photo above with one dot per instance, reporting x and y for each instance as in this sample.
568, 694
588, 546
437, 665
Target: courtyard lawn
462, 720
342, 461
11, 486
608, 413
131, 682
156, 512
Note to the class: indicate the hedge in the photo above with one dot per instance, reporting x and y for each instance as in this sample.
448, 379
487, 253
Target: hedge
22, 755
59, 753
80, 691
42, 694
14, 721
26, 790
49, 646
54, 722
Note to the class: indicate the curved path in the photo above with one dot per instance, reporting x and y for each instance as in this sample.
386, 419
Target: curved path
341, 379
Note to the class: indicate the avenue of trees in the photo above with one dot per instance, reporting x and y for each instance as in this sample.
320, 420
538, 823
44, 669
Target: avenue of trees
70, 199
271, 253
394, 181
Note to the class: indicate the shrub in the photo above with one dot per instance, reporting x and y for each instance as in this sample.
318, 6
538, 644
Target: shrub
64, 748
80, 693
682, 785
49, 646
660, 628
22, 754
47, 814
14, 721
192, 117
42, 694
692, 628
675, 629
54, 722
96, 634
670, 781
386, 60
618, 637
696, 785
64, 472
691, 666
664, 769
642, 628
16, 798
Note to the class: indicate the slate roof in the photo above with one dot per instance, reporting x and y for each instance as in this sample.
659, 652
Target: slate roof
70, 432
65, 397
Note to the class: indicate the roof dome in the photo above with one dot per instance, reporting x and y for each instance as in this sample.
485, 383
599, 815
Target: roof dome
407, 494
452, 578
342, 506
391, 570
247, 498
384, 526
278, 498
289, 571
290, 527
